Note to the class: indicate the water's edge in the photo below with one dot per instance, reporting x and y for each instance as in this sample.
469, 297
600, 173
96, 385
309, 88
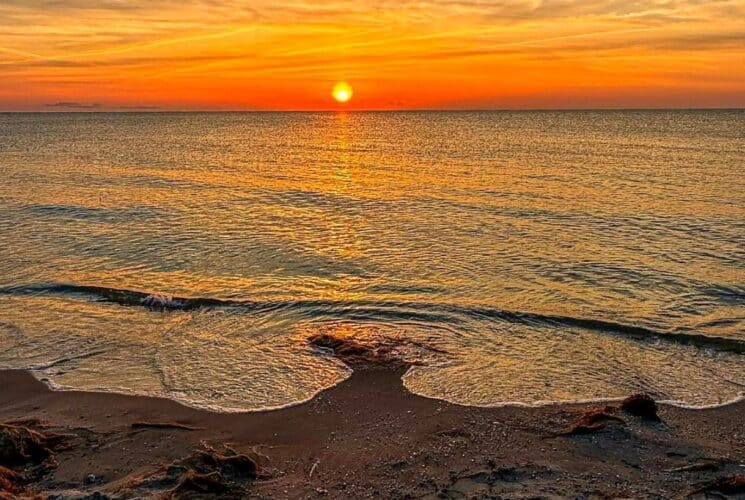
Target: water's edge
51, 385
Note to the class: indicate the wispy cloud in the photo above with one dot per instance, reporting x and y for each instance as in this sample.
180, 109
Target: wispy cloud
285, 53
73, 105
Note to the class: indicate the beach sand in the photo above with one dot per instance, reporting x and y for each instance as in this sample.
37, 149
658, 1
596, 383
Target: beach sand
370, 437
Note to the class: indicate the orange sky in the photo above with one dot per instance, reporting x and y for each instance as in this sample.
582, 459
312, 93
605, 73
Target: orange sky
279, 54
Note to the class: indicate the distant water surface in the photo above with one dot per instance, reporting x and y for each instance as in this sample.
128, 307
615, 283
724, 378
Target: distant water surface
543, 256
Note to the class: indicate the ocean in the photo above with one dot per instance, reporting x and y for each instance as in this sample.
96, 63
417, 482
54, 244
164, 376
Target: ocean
514, 257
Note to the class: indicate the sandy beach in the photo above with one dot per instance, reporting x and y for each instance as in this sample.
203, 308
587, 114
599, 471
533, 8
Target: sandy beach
367, 437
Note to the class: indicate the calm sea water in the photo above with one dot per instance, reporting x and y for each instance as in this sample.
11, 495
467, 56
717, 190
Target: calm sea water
552, 256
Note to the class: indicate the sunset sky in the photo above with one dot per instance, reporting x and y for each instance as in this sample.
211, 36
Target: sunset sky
288, 54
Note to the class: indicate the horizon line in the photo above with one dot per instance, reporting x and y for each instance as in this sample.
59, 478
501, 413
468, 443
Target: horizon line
368, 110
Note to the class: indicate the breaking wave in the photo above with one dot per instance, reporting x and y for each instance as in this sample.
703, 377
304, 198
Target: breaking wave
368, 310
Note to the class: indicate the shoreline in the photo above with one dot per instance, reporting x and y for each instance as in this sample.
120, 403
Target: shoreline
54, 387
369, 436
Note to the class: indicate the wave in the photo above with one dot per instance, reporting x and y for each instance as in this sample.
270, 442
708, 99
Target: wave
368, 310
115, 295
65, 359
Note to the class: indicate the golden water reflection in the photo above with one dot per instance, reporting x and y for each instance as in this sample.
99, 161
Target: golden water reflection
470, 231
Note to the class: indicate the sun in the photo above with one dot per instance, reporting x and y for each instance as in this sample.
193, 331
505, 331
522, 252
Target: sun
342, 92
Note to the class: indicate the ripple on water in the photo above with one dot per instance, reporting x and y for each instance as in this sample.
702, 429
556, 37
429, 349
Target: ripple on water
233, 359
554, 255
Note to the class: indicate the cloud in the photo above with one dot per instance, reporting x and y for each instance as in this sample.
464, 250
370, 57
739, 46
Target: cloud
161, 51
73, 105
99, 106
137, 108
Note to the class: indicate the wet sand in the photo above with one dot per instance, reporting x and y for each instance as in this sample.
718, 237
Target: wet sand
369, 437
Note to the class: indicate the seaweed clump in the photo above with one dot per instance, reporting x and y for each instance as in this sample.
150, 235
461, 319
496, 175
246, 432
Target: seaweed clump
357, 353
25, 455
205, 472
726, 485
10, 483
369, 348
593, 420
21, 446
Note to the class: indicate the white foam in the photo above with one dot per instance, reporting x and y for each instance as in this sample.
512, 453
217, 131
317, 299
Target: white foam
162, 301
181, 398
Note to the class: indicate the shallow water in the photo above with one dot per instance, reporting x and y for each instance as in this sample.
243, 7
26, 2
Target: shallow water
553, 256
